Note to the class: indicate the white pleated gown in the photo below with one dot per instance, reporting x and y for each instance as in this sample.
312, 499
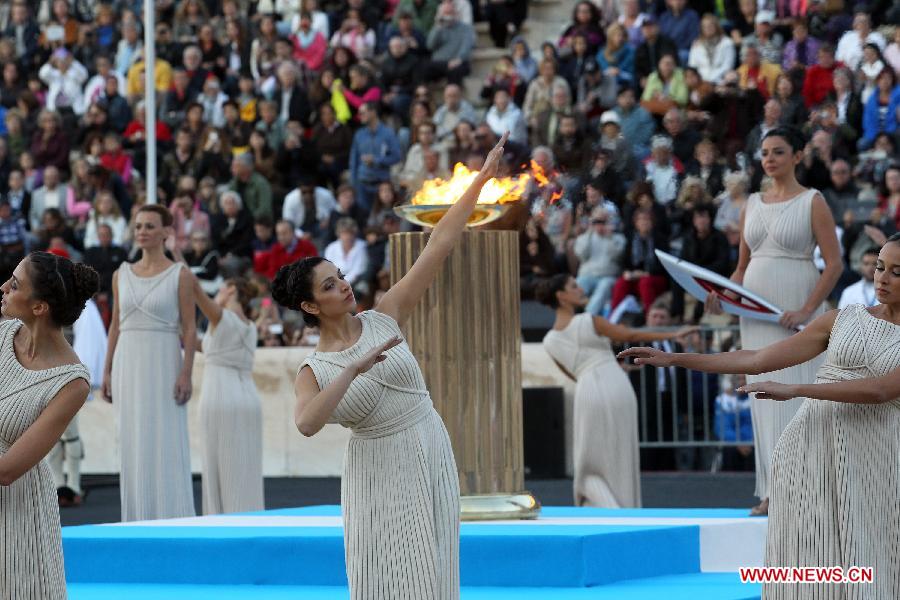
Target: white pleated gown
781, 270
400, 488
155, 476
231, 417
606, 452
836, 473
31, 559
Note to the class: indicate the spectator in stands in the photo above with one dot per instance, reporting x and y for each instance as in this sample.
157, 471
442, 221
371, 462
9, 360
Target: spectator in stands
308, 206
616, 144
105, 257
454, 109
13, 238
819, 80
765, 38
843, 193
665, 87
346, 208
636, 123
732, 202
712, 53
571, 149
253, 189
572, 65
105, 212
664, 170
863, 291
599, 251
287, 249
375, 150
539, 96
793, 108
17, 196
50, 144
850, 47
704, 246
52, 194
24, 32
681, 24
349, 254
632, 18
801, 51
653, 48
505, 19
421, 13
232, 232
65, 78
537, 258
451, 42
684, 138
546, 122
756, 74
706, 166
616, 60
400, 70
586, 23
333, 141
642, 274
868, 70
187, 219
880, 112
290, 96
310, 45
413, 172
771, 120
892, 51
525, 64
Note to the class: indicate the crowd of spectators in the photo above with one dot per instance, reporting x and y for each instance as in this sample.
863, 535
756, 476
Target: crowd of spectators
288, 128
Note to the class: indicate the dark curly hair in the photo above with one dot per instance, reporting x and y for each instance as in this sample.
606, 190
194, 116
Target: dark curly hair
293, 285
545, 291
65, 286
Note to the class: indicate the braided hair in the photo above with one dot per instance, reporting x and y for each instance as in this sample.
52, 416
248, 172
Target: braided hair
65, 286
293, 285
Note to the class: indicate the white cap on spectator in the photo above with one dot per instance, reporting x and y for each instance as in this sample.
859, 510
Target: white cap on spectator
765, 16
661, 141
610, 116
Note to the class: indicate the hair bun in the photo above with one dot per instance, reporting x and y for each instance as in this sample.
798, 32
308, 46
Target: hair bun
281, 291
87, 282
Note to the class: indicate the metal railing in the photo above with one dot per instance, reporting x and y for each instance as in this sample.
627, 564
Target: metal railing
684, 414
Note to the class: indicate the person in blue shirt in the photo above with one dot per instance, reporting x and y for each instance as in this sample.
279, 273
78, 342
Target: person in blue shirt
637, 124
375, 149
681, 24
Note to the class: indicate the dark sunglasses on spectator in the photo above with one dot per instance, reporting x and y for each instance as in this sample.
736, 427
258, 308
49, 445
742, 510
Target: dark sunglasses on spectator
598, 221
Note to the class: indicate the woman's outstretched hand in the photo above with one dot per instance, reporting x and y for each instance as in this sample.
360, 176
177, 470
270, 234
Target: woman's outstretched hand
492, 162
375, 355
769, 390
648, 356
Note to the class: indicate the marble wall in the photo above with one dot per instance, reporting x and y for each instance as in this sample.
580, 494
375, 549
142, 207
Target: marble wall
286, 453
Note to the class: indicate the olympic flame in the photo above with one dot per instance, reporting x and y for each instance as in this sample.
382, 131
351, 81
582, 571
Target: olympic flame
496, 191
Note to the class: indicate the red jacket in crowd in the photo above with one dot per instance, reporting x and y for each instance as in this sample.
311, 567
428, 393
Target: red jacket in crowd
268, 262
818, 83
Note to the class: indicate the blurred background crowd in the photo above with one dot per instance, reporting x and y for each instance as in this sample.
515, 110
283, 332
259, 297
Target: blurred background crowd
288, 128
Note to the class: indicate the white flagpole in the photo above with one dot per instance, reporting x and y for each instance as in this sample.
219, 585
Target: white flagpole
150, 96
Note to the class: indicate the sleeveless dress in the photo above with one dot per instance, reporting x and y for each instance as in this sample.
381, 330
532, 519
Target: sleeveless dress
781, 270
836, 473
155, 476
606, 454
31, 560
400, 488
231, 417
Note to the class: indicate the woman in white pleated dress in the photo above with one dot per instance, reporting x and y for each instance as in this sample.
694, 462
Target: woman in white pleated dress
42, 387
400, 488
148, 377
835, 492
607, 464
779, 231
230, 409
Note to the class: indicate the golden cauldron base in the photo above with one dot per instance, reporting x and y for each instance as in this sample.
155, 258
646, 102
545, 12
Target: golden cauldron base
494, 507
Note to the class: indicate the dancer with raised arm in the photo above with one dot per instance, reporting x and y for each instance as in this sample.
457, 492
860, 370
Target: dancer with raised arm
836, 469
146, 376
42, 387
607, 463
230, 409
779, 231
400, 489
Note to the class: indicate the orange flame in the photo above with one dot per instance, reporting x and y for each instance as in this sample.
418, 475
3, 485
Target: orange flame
495, 191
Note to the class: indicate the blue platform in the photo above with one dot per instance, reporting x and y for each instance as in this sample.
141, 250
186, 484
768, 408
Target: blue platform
298, 553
